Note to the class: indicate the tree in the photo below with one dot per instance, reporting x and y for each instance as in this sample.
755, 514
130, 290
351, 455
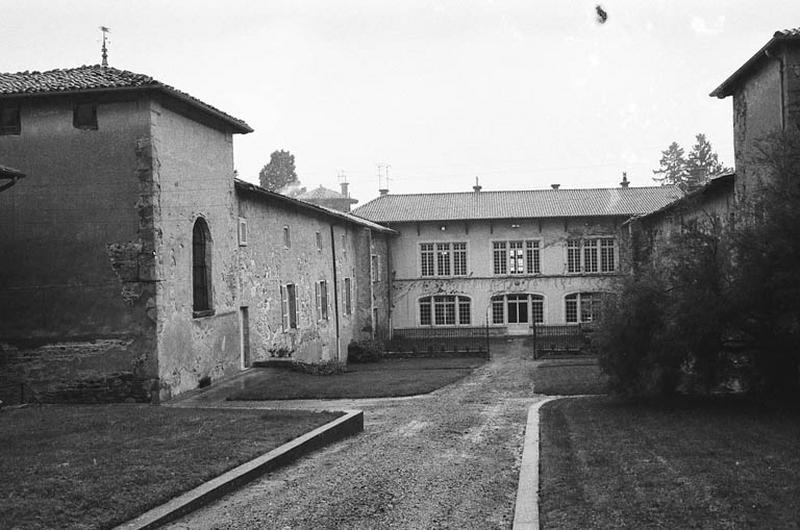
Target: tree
279, 172
689, 172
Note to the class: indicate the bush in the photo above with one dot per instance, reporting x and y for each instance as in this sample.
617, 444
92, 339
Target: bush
331, 367
364, 351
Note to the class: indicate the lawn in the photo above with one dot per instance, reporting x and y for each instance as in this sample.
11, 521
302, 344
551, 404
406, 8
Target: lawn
96, 466
713, 465
388, 378
568, 377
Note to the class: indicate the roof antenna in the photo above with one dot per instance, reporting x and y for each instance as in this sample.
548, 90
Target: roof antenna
105, 48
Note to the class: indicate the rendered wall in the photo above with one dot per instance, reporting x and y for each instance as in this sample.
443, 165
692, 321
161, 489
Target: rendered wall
481, 284
194, 178
76, 266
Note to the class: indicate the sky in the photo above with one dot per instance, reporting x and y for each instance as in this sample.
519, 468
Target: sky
520, 94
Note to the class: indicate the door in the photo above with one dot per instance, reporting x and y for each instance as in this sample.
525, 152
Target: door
518, 314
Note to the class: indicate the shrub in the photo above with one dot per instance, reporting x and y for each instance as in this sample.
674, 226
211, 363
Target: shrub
331, 367
364, 351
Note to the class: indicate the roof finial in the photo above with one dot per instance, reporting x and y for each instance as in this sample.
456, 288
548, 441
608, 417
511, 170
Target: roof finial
477, 187
105, 48
625, 181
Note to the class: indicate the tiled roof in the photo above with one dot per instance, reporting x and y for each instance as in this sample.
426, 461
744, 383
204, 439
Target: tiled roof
518, 204
101, 78
324, 194
729, 85
258, 190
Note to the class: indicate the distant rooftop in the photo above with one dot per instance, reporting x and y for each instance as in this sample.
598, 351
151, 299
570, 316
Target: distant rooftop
729, 85
323, 193
518, 204
98, 78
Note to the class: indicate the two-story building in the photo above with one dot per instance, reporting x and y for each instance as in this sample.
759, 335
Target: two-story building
506, 258
134, 265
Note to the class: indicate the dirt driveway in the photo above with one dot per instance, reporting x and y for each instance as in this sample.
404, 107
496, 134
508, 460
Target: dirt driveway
446, 460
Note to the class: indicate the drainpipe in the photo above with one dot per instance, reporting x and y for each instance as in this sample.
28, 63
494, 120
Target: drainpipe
335, 294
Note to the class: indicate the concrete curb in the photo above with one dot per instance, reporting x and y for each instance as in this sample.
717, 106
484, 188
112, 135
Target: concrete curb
526, 509
351, 423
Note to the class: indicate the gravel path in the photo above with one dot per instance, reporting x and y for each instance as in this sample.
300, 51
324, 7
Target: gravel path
446, 460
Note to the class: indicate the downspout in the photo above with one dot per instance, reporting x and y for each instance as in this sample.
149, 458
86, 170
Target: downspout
371, 283
389, 300
335, 295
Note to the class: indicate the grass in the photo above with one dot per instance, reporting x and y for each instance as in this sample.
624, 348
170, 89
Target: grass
568, 377
388, 378
711, 465
98, 466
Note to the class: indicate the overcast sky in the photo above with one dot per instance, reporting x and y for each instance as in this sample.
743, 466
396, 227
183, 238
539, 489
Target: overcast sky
521, 94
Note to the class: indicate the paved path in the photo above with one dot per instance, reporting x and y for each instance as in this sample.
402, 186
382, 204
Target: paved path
446, 460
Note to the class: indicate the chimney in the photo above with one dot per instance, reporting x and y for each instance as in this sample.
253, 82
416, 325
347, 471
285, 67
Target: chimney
624, 182
477, 187
345, 191
383, 191
555, 186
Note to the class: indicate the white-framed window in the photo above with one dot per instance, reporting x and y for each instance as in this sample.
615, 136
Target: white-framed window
287, 237
515, 257
443, 259
591, 255
242, 232
522, 308
445, 310
318, 239
288, 306
348, 296
582, 307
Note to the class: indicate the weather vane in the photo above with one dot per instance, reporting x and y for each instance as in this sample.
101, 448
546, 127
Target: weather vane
105, 30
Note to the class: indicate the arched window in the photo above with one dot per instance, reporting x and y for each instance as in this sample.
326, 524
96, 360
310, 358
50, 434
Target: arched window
582, 307
201, 266
517, 309
445, 310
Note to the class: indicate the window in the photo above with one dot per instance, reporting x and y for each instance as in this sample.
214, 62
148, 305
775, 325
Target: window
288, 306
445, 311
9, 120
375, 268
515, 257
459, 259
201, 268
84, 116
591, 255
321, 297
348, 297
242, 232
532, 262
344, 243
499, 257
426, 259
517, 309
443, 259
318, 238
582, 307
287, 237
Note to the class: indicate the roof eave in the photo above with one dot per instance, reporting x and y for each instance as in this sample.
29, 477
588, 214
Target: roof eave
727, 87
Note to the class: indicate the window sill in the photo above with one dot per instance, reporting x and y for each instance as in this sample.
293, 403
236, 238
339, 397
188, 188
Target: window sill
203, 313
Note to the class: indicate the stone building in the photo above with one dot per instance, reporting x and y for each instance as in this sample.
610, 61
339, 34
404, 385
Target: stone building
124, 273
506, 258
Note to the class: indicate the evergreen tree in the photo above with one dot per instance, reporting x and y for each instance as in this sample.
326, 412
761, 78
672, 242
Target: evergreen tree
279, 172
672, 168
702, 164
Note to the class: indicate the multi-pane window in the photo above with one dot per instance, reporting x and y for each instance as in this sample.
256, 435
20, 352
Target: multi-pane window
443, 259
532, 261
445, 310
499, 257
583, 307
201, 267
426, 256
515, 257
288, 306
517, 309
591, 255
459, 259
348, 297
